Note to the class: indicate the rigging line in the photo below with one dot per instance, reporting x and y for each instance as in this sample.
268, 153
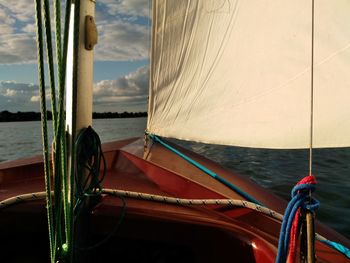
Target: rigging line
50, 61
204, 169
180, 201
61, 122
310, 231
312, 86
41, 79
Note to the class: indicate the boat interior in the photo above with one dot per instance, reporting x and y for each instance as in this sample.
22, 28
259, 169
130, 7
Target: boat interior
135, 230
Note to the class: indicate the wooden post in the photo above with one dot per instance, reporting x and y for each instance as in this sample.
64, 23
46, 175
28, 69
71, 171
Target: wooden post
79, 94
310, 236
79, 101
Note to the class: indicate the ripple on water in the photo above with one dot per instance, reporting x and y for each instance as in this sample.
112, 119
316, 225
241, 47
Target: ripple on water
280, 170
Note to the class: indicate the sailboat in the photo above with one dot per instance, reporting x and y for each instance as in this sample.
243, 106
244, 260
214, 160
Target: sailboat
223, 72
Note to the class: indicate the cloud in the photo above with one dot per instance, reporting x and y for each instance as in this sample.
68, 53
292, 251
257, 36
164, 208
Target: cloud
123, 30
122, 41
29, 28
122, 35
17, 96
135, 8
10, 93
6, 22
123, 93
35, 98
23, 87
127, 93
20, 10
17, 48
17, 43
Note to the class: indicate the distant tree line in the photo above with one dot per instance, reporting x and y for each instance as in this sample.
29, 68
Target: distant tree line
7, 116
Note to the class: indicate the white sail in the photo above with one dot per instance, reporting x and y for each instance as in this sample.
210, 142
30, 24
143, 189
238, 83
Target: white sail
238, 72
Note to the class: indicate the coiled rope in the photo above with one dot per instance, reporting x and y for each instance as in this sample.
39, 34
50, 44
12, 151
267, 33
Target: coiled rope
89, 161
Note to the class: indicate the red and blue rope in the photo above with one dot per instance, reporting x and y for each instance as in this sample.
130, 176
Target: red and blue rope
300, 199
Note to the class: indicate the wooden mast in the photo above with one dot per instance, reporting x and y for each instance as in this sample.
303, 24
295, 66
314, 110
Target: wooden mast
79, 96
80, 77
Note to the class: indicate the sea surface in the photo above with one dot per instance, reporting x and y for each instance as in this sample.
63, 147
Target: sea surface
277, 170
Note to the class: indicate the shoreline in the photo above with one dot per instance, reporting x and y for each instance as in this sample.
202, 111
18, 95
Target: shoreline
7, 116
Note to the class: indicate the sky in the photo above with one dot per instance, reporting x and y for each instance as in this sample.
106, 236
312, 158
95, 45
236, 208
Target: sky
121, 56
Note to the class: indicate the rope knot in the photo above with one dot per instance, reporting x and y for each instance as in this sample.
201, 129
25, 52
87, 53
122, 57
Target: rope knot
301, 198
301, 191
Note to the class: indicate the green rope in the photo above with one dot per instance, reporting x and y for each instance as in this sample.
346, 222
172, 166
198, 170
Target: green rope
90, 170
41, 77
58, 172
49, 49
112, 232
57, 8
89, 161
61, 152
59, 220
62, 79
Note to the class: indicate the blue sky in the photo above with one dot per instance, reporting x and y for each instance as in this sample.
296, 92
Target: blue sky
121, 56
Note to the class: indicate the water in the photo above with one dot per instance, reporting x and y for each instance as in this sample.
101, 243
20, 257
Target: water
23, 139
277, 170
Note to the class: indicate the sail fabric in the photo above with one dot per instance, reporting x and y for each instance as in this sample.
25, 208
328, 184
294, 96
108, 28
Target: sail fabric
239, 72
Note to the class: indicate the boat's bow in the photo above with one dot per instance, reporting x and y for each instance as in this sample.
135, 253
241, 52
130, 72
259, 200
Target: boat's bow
134, 227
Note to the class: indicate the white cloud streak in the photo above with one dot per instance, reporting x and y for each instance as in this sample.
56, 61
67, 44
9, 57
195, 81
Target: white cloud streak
17, 48
21, 10
126, 93
123, 93
17, 96
122, 41
17, 44
135, 8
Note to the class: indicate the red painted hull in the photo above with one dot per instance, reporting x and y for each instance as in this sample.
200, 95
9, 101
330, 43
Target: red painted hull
150, 231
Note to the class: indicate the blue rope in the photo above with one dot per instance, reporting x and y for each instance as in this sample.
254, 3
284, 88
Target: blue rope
206, 170
299, 200
339, 247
